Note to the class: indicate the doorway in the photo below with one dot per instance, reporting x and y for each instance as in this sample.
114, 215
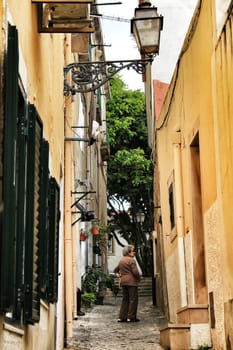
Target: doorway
199, 268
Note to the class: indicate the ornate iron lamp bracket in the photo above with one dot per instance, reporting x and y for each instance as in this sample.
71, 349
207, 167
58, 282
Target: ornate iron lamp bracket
88, 76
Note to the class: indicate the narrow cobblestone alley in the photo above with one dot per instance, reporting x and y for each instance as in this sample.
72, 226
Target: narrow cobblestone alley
99, 329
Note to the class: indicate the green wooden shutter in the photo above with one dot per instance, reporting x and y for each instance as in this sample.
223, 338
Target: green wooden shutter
21, 156
54, 217
43, 221
32, 293
9, 172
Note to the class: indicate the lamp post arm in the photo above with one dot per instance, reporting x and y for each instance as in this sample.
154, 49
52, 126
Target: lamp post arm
89, 76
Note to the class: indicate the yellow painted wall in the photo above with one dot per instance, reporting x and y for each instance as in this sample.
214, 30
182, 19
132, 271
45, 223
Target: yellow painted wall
43, 58
191, 110
224, 136
41, 62
222, 90
200, 99
188, 109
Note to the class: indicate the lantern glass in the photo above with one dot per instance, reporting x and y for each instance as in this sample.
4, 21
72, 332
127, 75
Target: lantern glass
146, 26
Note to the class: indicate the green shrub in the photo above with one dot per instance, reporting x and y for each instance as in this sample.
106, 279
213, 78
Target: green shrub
96, 281
88, 297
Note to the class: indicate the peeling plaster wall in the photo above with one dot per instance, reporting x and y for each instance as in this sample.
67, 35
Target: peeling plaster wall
173, 284
201, 106
189, 267
200, 335
215, 269
12, 340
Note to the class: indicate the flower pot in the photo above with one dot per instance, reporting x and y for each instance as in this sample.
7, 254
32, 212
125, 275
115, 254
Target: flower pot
99, 300
82, 237
95, 230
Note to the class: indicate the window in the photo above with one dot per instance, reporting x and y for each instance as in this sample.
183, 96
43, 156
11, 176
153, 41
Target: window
30, 217
171, 205
44, 219
110, 244
31, 273
172, 209
9, 195
54, 217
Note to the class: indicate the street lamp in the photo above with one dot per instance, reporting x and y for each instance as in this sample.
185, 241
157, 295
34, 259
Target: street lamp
89, 76
140, 216
146, 26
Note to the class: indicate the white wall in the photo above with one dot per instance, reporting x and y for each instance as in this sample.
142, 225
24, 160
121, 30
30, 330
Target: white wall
114, 258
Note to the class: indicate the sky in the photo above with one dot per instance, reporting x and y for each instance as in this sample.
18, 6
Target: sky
120, 44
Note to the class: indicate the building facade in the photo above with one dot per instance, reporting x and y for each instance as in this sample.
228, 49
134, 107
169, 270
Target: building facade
194, 185
50, 160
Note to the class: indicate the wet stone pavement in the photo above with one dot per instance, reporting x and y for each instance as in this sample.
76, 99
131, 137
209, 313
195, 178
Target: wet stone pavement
99, 329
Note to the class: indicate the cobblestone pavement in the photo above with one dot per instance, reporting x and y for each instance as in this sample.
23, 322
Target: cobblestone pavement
99, 329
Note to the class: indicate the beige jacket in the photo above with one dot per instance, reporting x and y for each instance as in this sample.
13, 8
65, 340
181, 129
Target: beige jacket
129, 274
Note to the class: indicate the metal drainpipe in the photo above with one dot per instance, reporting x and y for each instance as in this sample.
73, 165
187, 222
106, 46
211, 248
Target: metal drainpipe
74, 270
154, 254
67, 210
154, 237
180, 220
68, 240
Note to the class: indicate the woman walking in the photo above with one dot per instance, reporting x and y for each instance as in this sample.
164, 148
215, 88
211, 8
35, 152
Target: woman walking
129, 277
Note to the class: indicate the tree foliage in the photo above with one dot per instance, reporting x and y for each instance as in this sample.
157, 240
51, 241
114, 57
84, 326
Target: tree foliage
130, 171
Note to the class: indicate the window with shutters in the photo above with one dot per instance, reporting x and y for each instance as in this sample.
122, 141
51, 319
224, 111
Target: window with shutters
30, 216
20, 180
44, 219
54, 217
9, 181
32, 292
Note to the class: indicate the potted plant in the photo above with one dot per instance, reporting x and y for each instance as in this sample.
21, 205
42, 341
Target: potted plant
95, 230
88, 299
102, 238
96, 281
113, 284
90, 278
83, 235
93, 282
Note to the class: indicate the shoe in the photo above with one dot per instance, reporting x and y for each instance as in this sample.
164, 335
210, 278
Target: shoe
133, 320
121, 320
81, 313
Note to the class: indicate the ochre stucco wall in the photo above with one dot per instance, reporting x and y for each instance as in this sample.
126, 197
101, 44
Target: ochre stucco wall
41, 62
199, 101
41, 70
222, 65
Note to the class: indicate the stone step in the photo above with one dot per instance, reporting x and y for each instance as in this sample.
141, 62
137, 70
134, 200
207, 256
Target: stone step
175, 336
144, 287
197, 313
191, 330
